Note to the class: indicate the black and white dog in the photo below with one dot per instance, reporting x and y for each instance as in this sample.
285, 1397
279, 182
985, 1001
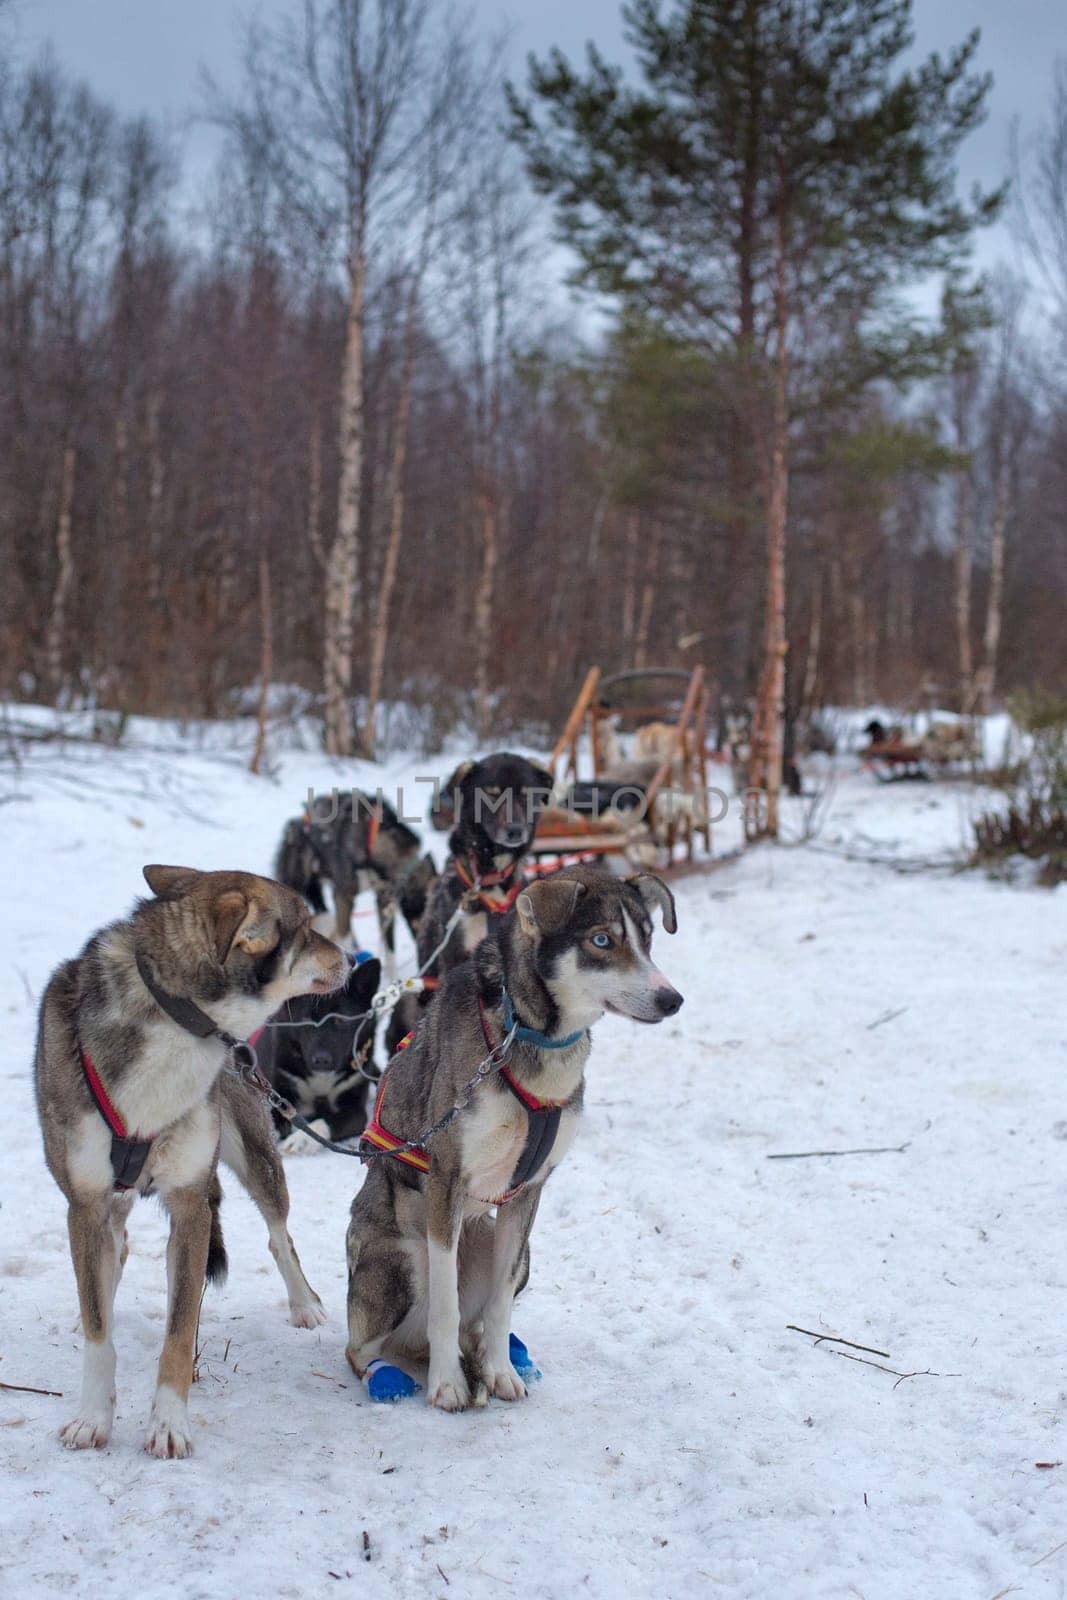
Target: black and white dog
318, 1051
356, 841
489, 809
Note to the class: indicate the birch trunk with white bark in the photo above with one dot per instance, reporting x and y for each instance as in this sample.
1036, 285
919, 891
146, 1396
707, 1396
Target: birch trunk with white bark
811, 662
395, 497
483, 605
342, 568
57, 622
318, 549
963, 569
266, 662
156, 482
986, 679
768, 723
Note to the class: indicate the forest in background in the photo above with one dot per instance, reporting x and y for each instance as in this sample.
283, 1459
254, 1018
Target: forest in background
345, 435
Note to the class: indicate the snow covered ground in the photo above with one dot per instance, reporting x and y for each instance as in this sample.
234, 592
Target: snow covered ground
684, 1442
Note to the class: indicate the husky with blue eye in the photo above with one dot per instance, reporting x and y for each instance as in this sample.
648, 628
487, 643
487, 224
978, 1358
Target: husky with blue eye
432, 1271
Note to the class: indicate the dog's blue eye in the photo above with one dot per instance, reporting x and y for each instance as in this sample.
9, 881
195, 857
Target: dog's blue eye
601, 940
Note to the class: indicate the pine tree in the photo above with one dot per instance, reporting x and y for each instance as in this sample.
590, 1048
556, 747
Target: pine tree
766, 187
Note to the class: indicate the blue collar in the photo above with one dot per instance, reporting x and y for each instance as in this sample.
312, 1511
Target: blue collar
534, 1036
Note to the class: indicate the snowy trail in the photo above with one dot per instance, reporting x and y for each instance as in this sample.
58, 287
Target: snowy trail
683, 1442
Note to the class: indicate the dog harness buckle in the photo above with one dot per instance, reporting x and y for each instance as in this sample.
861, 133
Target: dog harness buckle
244, 1057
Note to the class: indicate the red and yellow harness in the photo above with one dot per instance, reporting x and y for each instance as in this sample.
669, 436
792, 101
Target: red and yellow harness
542, 1126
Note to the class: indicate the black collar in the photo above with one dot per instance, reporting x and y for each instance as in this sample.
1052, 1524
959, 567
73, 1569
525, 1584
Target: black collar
188, 1015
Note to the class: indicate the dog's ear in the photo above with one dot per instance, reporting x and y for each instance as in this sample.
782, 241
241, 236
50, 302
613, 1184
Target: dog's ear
443, 807
541, 779
170, 883
654, 892
546, 906
242, 922
364, 979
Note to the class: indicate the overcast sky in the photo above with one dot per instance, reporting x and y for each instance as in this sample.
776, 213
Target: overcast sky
145, 55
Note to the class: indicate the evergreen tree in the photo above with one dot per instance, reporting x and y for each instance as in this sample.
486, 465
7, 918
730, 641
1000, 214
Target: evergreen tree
767, 187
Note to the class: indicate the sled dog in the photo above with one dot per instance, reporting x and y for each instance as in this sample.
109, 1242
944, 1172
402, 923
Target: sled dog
132, 1039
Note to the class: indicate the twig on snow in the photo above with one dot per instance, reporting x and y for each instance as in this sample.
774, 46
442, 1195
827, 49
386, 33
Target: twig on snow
27, 1388
887, 1016
899, 1376
1048, 1553
829, 1338
863, 1150
832, 1338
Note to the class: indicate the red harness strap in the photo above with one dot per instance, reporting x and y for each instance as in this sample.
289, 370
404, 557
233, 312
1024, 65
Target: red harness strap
372, 831
491, 880
530, 1101
542, 1122
128, 1155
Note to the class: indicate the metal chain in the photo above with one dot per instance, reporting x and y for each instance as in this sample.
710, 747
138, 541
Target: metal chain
249, 1072
242, 1062
391, 995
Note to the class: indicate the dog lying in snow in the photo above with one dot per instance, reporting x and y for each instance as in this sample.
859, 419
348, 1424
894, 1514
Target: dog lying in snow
319, 1053
131, 1102
430, 1272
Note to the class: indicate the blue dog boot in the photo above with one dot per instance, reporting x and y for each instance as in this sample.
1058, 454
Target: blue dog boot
388, 1383
522, 1360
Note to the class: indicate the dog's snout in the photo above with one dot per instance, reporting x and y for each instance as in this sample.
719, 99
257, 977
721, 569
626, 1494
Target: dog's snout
335, 971
668, 1001
321, 1061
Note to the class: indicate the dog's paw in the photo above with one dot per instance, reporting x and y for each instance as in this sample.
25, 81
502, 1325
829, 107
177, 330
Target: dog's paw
498, 1371
298, 1143
451, 1393
505, 1383
169, 1436
307, 1313
86, 1433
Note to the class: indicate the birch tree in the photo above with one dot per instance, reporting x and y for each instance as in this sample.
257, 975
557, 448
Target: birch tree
460, 90
335, 107
1007, 425
492, 248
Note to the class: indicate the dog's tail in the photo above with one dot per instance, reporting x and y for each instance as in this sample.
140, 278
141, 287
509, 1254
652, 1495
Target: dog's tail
217, 1263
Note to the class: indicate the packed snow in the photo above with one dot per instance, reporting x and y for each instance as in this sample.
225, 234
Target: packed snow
684, 1440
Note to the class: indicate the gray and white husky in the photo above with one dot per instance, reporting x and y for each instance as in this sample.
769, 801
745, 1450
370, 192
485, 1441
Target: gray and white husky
131, 1103
432, 1275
